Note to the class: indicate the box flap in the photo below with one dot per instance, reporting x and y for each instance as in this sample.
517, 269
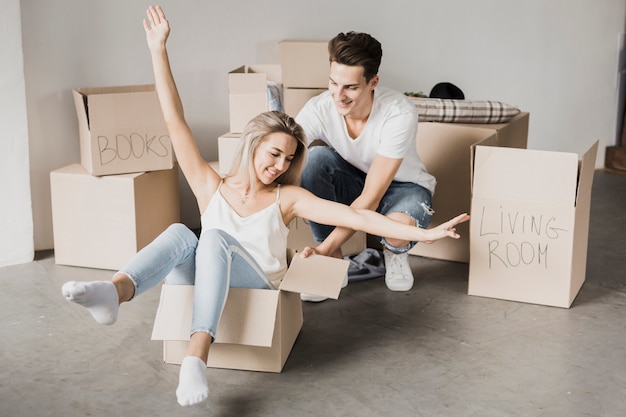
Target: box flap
587, 168
117, 111
273, 72
525, 175
173, 316
316, 274
253, 78
248, 317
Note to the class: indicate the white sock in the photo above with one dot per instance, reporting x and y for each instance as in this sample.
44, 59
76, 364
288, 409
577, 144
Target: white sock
193, 387
99, 297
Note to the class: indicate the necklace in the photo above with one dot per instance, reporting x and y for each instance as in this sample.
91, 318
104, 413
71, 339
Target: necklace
243, 197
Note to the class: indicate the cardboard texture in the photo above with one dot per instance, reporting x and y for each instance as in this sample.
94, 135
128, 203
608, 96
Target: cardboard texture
530, 224
227, 145
445, 149
295, 98
300, 236
101, 222
305, 64
122, 130
258, 328
248, 96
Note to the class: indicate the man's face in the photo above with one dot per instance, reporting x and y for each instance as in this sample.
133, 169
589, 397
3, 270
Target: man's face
351, 93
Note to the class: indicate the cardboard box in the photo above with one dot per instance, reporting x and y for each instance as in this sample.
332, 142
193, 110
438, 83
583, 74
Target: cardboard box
101, 222
122, 130
295, 98
300, 236
227, 145
248, 95
530, 223
258, 328
305, 64
445, 149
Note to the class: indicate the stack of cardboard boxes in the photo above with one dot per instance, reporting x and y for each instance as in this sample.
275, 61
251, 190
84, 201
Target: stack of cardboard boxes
301, 74
124, 191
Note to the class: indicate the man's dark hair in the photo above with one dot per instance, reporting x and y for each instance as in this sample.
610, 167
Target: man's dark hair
356, 49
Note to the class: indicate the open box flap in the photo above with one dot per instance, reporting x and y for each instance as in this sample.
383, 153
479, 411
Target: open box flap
525, 175
118, 111
586, 170
173, 316
490, 141
272, 71
316, 274
248, 317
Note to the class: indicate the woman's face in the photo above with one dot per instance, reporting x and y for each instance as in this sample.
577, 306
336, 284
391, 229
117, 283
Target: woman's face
273, 156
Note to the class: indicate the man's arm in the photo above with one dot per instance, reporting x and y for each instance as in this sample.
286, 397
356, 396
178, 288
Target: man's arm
379, 177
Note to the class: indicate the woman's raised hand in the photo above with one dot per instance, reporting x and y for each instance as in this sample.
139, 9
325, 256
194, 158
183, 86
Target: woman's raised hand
157, 27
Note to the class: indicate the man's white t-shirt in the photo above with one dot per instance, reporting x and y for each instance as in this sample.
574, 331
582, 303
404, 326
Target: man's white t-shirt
390, 131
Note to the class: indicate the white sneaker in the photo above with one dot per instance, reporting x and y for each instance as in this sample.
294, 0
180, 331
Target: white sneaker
311, 298
398, 275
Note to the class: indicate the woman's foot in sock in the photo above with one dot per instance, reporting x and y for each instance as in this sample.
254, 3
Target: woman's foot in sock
99, 297
193, 387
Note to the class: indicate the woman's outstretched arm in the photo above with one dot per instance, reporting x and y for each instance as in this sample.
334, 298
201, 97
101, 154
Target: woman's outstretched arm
306, 205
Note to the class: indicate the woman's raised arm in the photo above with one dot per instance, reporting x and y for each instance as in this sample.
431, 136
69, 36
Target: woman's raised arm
201, 177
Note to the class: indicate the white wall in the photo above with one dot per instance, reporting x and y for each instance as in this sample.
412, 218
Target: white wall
16, 223
556, 59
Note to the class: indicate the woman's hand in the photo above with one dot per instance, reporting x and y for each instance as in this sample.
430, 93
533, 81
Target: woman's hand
157, 27
308, 251
447, 229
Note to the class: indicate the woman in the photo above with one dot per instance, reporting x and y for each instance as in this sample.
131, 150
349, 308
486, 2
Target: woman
244, 238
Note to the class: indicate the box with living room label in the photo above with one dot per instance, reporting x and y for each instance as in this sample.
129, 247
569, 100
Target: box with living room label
258, 328
101, 222
445, 149
249, 91
530, 224
122, 130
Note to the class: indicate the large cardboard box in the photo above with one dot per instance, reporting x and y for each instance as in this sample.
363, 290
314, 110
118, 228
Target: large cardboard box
445, 149
248, 92
122, 130
300, 236
295, 98
101, 222
305, 64
258, 328
530, 223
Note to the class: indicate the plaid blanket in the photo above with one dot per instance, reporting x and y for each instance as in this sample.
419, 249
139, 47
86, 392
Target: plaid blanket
463, 111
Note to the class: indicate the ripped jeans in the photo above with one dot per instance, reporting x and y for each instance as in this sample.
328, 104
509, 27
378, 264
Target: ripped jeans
329, 176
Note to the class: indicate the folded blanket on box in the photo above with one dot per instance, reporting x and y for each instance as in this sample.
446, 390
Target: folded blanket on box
463, 111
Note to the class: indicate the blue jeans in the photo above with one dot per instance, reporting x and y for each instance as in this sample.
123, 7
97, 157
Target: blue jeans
329, 176
213, 263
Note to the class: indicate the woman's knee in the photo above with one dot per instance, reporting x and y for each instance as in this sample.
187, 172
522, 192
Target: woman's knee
181, 231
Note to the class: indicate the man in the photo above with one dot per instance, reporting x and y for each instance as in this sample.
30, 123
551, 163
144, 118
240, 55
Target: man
370, 160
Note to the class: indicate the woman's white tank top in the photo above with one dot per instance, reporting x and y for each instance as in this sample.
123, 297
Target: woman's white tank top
263, 233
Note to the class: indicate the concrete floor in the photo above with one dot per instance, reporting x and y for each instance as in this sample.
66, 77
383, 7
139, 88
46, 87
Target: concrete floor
433, 351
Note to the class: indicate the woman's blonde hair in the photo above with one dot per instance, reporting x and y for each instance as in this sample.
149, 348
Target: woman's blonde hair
254, 133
